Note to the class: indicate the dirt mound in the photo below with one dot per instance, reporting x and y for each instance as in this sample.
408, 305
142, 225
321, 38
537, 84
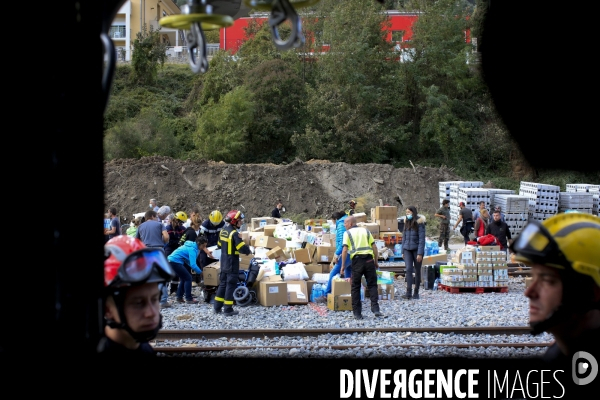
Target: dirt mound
311, 189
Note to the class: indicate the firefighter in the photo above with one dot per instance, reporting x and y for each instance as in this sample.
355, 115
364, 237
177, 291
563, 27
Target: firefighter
231, 244
352, 206
564, 296
211, 228
132, 273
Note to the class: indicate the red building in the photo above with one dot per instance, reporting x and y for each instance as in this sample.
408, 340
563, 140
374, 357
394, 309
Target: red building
399, 32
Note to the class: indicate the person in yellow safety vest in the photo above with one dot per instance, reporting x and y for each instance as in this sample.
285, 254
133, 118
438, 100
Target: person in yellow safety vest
231, 244
359, 243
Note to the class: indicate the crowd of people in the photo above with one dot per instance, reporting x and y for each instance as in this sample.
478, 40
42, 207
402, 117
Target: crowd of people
564, 295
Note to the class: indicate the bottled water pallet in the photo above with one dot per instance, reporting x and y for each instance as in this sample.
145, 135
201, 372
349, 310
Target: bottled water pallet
455, 289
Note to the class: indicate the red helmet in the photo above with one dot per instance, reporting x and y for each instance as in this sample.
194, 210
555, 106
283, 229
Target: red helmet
234, 216
130, 262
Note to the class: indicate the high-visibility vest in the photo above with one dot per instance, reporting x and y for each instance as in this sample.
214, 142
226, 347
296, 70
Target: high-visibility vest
361, 241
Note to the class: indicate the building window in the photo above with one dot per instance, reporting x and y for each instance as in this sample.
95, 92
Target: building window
117, 32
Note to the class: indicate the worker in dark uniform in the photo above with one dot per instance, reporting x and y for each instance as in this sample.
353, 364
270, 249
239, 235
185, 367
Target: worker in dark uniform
211, 228
564, 297
352, 206
231, 244
359, 243
132, 316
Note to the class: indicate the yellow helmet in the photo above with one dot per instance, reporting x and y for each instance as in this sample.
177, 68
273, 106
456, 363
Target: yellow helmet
567, 241
215, 217
181, 216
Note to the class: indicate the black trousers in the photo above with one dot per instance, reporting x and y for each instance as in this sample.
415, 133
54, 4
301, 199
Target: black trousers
227, 285
363, 265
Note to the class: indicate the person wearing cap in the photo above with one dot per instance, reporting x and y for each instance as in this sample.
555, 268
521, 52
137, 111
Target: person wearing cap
232, 245
466, 216
352, 209
211, 228
132, 273
564, 296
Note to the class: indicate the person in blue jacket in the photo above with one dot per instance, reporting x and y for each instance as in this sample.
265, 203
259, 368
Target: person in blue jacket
186, 254
413, 248
338, 218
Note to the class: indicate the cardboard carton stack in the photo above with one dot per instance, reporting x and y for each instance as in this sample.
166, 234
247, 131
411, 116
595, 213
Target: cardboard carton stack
481, 266
492, 269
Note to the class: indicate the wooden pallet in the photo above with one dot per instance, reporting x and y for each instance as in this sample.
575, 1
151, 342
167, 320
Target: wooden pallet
454, 289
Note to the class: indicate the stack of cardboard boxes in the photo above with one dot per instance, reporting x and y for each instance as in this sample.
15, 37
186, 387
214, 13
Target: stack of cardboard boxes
481, 266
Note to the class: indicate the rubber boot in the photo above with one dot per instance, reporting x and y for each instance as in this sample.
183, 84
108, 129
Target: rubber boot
229, 312
217, 306
416, 292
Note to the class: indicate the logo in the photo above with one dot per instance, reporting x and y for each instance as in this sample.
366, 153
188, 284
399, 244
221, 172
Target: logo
583, 363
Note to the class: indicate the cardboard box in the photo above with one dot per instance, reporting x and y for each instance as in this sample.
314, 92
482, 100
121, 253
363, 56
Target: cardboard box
387, 225
324, 254
314, 222
340, 287
313, 269
257, 223
339, 303
272, 278
386, 212
302, 255
360, 217
272, 293
431, 260
297, 292
268, 230
276, 254
371, 226
489, 248
245, 260
211, 274
270, 242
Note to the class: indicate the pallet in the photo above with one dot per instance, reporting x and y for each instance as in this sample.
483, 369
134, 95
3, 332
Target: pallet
454, 289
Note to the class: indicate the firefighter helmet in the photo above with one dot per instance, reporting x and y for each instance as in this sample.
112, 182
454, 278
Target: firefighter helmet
567, 241
180, 215
129, 262
215, 217
234, 216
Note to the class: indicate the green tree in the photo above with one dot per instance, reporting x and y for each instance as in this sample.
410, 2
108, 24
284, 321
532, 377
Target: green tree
148, 54
278, 95
222, 128
348, 104
145, 135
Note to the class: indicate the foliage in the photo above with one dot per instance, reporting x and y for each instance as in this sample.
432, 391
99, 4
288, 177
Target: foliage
278, 96
148, 53
348, 100
145, 135
222, 128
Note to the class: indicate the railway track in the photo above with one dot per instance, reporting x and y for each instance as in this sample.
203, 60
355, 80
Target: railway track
267, 334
